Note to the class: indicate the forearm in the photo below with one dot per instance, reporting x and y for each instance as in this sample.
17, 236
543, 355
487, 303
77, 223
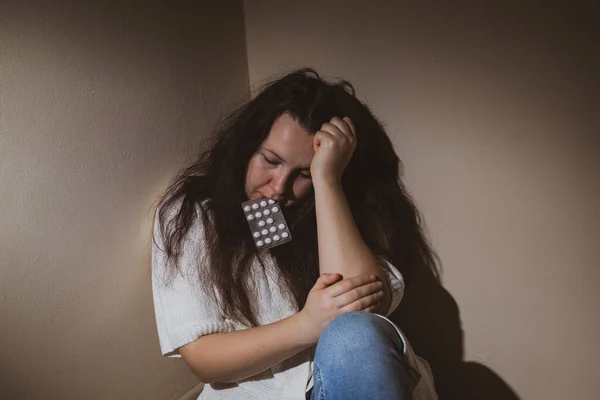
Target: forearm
234, 356
341, 246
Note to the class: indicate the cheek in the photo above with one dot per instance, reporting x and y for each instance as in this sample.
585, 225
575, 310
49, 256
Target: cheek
255, 174
302, 188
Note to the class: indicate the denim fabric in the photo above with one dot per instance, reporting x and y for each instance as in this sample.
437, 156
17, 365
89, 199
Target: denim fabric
359, 356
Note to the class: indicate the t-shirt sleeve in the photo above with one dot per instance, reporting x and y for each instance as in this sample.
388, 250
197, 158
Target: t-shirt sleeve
396, 283
183, 308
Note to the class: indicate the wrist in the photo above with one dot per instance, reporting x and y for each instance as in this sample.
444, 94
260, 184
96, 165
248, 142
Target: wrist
326, 181
302, 329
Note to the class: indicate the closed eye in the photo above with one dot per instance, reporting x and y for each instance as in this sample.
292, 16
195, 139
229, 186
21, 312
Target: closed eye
269, 161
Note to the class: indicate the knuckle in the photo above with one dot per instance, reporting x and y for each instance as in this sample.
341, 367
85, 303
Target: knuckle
323, 298
362, 303
353, 307
361, 291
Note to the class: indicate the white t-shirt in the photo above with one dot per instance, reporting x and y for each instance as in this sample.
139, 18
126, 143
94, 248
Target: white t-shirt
184, 312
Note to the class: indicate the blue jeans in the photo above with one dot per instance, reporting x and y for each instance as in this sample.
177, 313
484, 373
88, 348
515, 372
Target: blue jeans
359, 356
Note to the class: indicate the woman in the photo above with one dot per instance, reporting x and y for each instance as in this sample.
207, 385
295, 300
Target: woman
304, 319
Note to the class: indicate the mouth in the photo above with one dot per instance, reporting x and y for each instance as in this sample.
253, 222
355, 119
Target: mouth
282, 201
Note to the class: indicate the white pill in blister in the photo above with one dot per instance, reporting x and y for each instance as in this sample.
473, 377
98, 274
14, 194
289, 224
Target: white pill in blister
264, 232
272, 229
250, 217
258, 214
259, 243
281, 226
284, 235
267, 212
263, 203
276, 238
261, 223
268, 240
269, 220
275, 209
254, 206
271, 201
247, 208
256, 234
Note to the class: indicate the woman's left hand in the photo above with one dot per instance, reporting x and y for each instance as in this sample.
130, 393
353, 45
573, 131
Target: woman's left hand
334, 145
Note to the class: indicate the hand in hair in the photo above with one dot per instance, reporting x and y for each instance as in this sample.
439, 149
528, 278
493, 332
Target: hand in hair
334, 145
332, 296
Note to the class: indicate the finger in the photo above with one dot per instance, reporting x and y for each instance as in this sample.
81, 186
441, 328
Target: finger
362, 303
347, 129
326, 280
341, 124
358, 293
335, 129
349, 284
321, 137
351, 125
372, 307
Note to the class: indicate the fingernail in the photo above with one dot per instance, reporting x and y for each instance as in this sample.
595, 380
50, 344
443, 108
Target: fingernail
373, 277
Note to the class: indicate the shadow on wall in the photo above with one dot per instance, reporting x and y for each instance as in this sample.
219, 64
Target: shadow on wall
429, 317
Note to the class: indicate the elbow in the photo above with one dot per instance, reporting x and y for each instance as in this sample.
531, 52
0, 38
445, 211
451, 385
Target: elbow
208, 378
208, 375
198, 366
202, 376
205, 364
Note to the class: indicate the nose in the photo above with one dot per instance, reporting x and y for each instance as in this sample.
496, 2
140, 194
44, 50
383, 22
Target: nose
278, 186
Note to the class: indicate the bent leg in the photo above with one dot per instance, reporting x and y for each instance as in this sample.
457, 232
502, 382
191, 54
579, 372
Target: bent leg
360, 356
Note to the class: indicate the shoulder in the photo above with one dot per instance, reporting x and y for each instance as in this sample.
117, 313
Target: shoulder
182, 223
179, 238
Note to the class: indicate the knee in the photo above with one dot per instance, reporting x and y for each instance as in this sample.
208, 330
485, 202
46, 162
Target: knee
356, 320
354, 330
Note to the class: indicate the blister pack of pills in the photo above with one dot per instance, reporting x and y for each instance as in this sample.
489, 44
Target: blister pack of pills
267, 223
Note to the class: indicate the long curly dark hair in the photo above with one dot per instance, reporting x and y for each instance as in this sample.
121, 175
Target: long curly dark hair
213, 187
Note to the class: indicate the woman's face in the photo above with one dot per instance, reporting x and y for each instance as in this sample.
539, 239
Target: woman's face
280, 168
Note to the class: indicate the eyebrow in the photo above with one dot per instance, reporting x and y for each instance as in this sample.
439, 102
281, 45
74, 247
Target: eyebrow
281, 159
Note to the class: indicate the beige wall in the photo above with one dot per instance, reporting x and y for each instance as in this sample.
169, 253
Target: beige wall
492, 111
99, 105
495, 112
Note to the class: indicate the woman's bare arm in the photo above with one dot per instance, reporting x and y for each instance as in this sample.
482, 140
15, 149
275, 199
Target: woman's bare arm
234, 356
341, 247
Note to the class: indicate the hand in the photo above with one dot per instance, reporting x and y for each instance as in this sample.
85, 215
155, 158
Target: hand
332, 296
334, 145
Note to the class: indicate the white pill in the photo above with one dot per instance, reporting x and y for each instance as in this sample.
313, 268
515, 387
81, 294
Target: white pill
256, 234
268, 240
258, 214
254, 206
250, 217
276, 238
259, 243
261, 223
247, 208
269, 220
263, 203
281, 226
267, 212
275, 209
271, 201
272, 229
264, 232
284, 235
